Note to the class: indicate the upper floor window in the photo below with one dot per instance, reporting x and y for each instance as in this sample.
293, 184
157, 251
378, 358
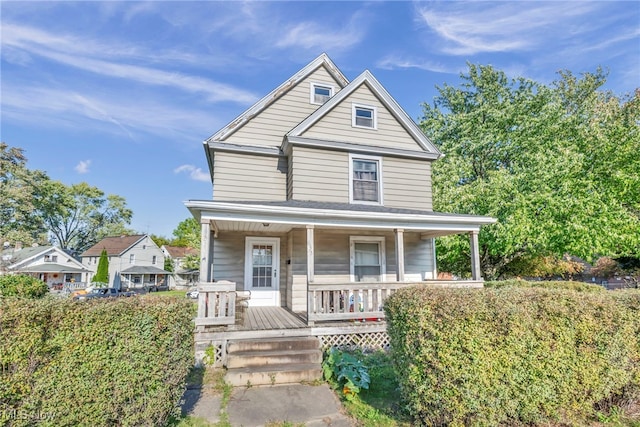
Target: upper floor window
51, 258
366, 180
132, 258
364, 117
320, 93
154, 260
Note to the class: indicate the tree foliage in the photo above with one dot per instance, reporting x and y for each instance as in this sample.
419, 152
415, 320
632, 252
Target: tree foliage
187, 233
78, 216
20, 191
22, 285
556, 164
102, 273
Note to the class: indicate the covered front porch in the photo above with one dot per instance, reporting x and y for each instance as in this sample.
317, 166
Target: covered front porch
323, 262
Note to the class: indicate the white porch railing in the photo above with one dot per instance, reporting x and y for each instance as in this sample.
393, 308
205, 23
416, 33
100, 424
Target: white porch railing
216, 304
73, 286
363, 301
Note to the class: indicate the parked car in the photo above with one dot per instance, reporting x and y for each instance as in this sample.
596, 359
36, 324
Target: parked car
103, 293
193, 294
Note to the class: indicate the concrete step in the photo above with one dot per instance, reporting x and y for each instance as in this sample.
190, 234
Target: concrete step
273, 374
273, 344
245, 359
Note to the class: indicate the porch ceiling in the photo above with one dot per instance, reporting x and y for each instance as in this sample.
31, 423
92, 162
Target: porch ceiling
280, 217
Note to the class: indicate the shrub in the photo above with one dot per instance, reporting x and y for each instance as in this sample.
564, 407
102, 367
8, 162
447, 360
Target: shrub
107, 362
512, 355
21, 285
347, 371
551, 284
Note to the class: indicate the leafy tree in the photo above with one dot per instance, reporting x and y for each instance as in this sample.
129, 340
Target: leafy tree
22, 285
557, 165
168, 264
102, 273
160, 240
187, 233
20, 191
191, 262
78, 216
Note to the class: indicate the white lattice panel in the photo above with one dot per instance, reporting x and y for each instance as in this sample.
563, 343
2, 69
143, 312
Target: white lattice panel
363, 341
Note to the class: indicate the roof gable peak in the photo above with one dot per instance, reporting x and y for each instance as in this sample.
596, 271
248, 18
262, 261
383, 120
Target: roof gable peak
322, 60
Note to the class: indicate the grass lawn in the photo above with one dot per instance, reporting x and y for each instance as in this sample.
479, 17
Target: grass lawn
161, 294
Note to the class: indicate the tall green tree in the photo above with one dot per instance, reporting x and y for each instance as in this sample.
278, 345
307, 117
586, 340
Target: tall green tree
187, 233
102, 273
20, 193
78, 216
554, 163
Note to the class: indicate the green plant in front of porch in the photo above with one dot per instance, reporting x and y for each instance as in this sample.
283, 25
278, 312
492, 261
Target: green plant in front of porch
101, 278
346, 372
22, 285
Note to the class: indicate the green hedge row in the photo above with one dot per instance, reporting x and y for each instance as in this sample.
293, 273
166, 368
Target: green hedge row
547, 284
22, 285
94, 363
513, 355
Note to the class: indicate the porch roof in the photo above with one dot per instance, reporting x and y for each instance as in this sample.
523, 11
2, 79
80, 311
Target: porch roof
281, 216
144, 269
51, 268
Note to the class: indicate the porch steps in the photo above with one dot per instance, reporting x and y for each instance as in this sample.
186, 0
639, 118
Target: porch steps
269, 361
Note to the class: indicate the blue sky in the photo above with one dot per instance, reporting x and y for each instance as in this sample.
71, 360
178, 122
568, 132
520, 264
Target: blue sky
122, 94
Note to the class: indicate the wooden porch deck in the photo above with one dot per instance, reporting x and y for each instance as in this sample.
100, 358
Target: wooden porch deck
270, 318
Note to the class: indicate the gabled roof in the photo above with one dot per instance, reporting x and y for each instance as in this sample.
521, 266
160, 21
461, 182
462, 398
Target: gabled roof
275, 94
19, 260
180, 251
115, 246
391, 104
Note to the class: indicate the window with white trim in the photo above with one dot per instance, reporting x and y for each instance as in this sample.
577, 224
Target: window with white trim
364, 116
154, 260
132, 258
365, 179
320, 93
367, 258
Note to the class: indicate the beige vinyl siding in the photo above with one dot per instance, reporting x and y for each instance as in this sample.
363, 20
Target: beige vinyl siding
297, 271
319, 175
336, 124
271, 124
418, 256
407, 183
229, 257
241, 176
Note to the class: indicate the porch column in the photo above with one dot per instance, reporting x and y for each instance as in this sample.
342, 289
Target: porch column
205, 241
310, 255
475, 256
399, 254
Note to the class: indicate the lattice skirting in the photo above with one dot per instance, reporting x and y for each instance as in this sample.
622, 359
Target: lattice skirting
362, 340
213, 353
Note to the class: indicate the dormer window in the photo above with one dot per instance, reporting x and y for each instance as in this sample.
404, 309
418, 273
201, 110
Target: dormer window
364, 117
320, 93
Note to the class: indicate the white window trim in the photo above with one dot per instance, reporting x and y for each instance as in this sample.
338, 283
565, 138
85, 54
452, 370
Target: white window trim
378, 159
132, 258
374, 110
313, 85
352, 256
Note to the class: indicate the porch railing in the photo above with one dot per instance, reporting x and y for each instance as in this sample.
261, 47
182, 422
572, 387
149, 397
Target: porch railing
72, 286
363, 301
216, 304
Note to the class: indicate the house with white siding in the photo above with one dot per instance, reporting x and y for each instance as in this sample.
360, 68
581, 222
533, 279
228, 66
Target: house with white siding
134, 261
321, 203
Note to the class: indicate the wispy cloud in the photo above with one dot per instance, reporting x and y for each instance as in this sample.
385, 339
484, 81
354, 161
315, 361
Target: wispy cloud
115, 114
470, 28
393, 62
74, 52
83, 166
195, 173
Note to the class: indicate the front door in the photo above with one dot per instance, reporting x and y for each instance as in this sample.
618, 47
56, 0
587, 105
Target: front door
262, 275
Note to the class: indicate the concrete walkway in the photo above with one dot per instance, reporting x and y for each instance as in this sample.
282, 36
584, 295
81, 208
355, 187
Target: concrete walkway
313, 406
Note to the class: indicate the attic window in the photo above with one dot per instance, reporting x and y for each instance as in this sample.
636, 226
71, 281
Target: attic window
320, 93
364, 117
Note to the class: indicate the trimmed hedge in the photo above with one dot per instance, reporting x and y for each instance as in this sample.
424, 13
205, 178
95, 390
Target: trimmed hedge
512, 355
547, 284
105, 362
22, 285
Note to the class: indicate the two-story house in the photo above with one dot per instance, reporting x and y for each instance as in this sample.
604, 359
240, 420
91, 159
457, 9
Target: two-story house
322, 199
183, 275
134, 261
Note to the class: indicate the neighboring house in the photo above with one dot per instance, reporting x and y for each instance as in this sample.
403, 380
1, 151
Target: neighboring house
322, 199
134, 261
52, 265
182, 276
